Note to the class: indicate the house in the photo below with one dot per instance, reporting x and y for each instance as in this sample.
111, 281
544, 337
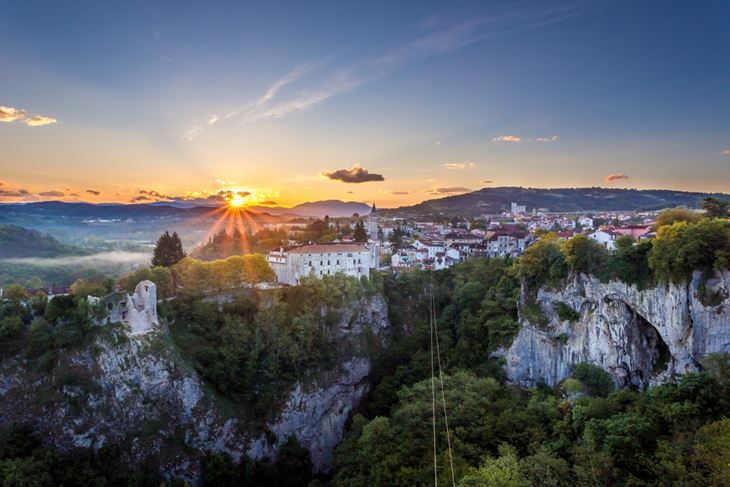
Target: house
432, 246
635, 231
506, 241
605, 237
318, 260
585, 222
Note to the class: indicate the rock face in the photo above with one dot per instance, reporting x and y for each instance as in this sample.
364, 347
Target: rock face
641, 337
135, 391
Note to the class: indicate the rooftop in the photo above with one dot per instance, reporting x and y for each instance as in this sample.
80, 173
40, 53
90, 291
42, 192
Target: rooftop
325, 248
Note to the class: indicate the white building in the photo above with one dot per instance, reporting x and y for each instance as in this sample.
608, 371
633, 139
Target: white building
585, 222
518, 208
320, 260
431, 246
373, 224
607, 238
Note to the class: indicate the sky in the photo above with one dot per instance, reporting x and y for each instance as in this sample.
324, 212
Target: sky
386, 102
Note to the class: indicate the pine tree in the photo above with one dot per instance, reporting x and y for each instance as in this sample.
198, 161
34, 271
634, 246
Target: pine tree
360, 235
168, 250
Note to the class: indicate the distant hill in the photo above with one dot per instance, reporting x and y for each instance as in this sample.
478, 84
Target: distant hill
497, 200
333, 208
109, 211
17, 242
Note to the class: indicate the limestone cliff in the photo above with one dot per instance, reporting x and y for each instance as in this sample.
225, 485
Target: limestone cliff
134, 390
640, 337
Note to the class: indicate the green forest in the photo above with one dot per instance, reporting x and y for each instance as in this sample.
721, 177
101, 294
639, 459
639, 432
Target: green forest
581, 432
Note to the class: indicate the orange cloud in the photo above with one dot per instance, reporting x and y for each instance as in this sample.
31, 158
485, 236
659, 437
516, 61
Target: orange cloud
507, 138
615, 176
10, 114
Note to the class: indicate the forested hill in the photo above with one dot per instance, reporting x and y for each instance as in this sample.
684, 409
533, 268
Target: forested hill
17, 241
496, 200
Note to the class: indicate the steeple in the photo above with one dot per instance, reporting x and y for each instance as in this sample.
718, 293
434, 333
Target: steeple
373, 210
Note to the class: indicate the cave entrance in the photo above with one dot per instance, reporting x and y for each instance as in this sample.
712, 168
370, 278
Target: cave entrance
657, 351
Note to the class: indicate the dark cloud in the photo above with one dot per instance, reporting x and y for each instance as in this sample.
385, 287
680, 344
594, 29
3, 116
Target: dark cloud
54, 194
449, 190
269, 203
400, 192
487, 181
355, 174
615, 176
141, 198
74, 195
151, 194
93, 191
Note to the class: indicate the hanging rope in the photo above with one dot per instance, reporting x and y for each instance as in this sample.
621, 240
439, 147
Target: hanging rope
434, 327
433, 397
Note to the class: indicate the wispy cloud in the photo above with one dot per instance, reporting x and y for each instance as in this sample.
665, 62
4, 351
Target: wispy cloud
10, 114
93, 191
487, 181
459, 165
448, 190
553, 138
39, 120
399, 192
287, 95
356, 174
615, 176
507, 138
52, 194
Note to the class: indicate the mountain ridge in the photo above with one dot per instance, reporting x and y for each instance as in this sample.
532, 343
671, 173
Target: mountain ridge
588, 199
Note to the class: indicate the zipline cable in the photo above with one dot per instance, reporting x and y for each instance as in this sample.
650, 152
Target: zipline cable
433, 398
441, 380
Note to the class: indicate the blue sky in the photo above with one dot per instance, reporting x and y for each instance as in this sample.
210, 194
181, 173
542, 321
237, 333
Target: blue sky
186, 99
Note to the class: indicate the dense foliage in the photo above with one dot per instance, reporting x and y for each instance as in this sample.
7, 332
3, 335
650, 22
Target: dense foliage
680, 248
254, 347
224, 244
17, 241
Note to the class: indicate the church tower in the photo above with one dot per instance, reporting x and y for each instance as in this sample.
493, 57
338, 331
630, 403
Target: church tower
373, 224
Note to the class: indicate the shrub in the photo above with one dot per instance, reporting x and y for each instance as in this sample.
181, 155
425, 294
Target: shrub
597, 382
566, 313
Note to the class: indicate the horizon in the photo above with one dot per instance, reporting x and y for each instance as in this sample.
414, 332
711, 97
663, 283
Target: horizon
275, 107
191, 204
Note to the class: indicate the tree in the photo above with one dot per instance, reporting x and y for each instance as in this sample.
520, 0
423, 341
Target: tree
360, 235
596, 381
168, 250
684, 247
15, 293
584, 255
497, 472
716, 208
82, 288
674, 215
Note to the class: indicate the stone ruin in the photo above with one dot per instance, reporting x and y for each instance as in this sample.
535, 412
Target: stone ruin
138, 310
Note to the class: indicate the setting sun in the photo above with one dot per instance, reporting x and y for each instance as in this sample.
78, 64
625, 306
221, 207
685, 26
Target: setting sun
237, 201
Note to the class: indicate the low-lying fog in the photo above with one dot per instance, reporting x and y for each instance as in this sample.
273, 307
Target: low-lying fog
131, 259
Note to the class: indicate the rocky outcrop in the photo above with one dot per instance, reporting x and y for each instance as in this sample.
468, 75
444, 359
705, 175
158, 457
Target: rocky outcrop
135, 391
640, 337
